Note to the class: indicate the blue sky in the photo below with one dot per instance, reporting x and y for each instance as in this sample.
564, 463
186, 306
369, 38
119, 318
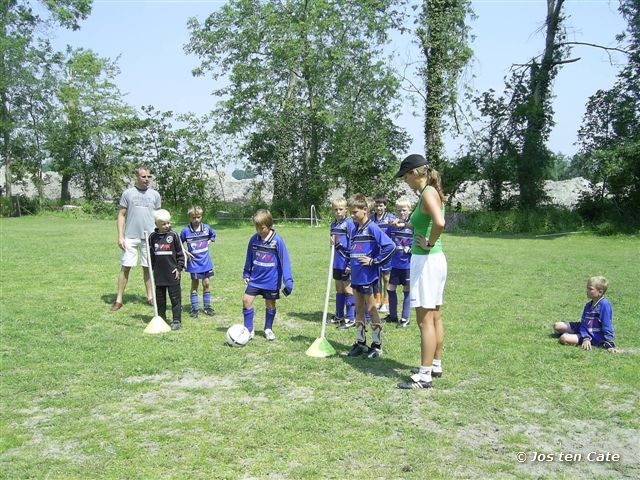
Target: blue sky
148, 38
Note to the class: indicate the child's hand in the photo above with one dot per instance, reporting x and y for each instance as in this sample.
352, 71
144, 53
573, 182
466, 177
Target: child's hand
365, 260
189, 255
613, 350
406, 249
586, 344
176, 273
246, 280
286, 291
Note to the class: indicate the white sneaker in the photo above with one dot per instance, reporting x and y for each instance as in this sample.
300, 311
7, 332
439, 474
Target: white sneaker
252, 334
269, 335
384, 308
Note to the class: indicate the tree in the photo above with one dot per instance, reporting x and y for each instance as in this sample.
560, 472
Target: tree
609, 136
18, 22
299, 74
443, 36
84, 137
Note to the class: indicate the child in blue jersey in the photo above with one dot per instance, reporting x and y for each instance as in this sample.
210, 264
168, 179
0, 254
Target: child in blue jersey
595, 328
383, 219
266, 266
197, 236
342, 229
402, 235
369, 249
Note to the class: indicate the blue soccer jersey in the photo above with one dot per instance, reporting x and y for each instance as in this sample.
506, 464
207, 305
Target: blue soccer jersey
267, 263
383, 221
368, 241
198, 245
403, 238
597, 323
344, 230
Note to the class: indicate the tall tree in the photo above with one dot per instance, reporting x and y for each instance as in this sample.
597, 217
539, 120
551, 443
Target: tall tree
534, 158
296, 71
18, 24
443, 35
609, 136
83, 139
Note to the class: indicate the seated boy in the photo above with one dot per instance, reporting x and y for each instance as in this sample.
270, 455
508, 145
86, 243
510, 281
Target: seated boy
595, 328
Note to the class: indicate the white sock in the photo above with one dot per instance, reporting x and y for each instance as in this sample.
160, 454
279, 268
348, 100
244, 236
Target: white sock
437, 365
425, 372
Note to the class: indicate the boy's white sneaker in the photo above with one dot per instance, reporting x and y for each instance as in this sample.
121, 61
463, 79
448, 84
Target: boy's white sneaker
269, 335
384, 308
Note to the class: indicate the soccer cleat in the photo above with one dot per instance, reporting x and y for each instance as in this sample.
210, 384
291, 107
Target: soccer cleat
402, 323
384, 308
116, 306
209, 311
176, 325
374, 352
252, 334
269, 335
417, 381
357, 349
335, 319
194, 313
346, 324
389, 318
434, 374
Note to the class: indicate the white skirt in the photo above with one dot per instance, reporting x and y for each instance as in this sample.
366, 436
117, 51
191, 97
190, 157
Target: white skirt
428, 276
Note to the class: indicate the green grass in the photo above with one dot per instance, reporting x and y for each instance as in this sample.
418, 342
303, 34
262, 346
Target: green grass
85, 394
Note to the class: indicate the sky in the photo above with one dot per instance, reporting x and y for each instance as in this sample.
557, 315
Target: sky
147, 37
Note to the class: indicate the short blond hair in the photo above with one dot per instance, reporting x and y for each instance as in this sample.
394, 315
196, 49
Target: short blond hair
194, 210
599, 283
162, 215
338, 202
403, 202
263, 218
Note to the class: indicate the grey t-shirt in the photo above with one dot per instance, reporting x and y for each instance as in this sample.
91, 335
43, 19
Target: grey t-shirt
140, 205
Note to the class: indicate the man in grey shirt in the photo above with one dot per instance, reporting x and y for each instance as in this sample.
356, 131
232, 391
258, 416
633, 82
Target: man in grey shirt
135, 216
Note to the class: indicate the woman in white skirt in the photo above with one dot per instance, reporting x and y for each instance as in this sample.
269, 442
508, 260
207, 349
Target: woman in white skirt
428, 266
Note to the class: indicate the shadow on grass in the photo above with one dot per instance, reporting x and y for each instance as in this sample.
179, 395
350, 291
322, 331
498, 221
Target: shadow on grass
381, 366
315, 317
126, 298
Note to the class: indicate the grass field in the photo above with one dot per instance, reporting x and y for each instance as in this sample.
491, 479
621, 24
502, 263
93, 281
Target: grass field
85, 394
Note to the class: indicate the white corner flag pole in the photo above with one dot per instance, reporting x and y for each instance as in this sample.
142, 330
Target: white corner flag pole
321, 347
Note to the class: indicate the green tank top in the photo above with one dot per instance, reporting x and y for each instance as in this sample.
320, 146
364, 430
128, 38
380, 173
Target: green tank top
422, 223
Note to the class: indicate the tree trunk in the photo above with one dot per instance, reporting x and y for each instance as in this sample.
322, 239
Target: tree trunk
534, 156
65, 193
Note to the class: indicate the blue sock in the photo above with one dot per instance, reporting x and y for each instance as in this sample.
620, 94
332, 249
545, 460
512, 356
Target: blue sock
340, 298
351, 307
206, 299
406, 306
194, 301
248, 318
393, 303
268, 318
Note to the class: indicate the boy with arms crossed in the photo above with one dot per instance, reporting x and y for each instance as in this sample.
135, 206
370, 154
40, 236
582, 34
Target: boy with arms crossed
383, 219
342, 229
198, 236
402, 235
370, 248
266, 266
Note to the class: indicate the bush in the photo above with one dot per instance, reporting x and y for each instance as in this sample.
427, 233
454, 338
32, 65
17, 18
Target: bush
539, 221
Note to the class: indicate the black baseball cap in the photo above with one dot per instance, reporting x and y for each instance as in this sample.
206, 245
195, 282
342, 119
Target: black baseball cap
412, 161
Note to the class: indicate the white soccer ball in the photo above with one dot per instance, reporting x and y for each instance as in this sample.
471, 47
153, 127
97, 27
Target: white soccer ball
238, 335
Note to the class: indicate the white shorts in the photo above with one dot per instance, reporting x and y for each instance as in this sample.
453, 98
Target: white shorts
428, 276
135, 249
